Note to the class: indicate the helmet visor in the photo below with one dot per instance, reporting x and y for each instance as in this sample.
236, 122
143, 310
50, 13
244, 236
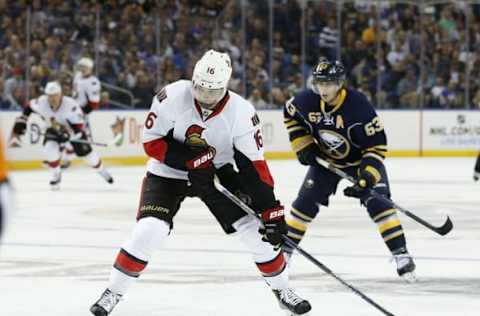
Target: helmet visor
207, 98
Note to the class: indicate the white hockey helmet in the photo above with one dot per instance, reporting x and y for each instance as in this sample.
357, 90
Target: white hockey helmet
86, 62
210, 78
53, 87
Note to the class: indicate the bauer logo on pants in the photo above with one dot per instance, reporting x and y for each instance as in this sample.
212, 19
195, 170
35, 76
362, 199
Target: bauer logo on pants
154, 208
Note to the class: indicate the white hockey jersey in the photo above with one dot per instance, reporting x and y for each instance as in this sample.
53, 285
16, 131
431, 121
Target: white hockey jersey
234, 125
68, 114
86, 90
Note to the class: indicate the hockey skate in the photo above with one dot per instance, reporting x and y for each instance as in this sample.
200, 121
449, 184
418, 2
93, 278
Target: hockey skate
55, 180
476, 175
291, 302
405, 266
106, 175
105, 304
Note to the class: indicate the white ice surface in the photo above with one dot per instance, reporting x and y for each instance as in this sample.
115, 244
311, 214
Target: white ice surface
56, 257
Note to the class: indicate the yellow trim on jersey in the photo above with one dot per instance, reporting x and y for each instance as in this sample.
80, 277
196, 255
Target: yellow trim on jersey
374, 172
374, 155
292, 123
393, 235
378, 147
297, 225
295, 128
301, 215
339, 102
294, 236
384, 213
301, 142
391, 223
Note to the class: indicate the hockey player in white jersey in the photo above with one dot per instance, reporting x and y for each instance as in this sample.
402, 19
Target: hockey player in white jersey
64, 124
86, 91
195, 129
86, 86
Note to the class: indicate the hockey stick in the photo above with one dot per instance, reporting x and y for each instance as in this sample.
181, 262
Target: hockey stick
81, 141
292, 244
441, 230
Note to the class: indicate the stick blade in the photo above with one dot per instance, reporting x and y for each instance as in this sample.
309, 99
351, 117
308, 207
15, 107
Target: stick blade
445, 228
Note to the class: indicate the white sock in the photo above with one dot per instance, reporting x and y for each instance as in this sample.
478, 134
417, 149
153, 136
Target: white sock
269, 261
147, 236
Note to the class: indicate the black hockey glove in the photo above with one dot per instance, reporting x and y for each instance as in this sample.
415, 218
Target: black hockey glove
57, 135
273, 226
307, 155
20, 125
365, 182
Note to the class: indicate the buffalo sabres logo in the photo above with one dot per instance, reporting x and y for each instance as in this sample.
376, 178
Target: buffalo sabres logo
336, 146
322, 66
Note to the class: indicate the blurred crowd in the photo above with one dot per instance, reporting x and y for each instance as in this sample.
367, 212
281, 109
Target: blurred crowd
398, 55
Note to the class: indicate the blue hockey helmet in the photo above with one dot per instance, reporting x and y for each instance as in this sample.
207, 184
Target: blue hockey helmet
328, 71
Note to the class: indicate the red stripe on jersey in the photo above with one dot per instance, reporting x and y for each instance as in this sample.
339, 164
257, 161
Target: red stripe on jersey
218, 108
156, 149
77, 127
54, 164
263, 171
274, 266
94, 105
128, 263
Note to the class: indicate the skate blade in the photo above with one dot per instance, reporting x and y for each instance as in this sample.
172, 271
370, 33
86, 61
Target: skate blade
410, 277
55, 187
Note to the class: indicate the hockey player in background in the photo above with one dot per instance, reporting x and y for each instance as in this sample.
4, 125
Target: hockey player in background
476, 170
193, 130
5, 191
64, 124
340, 125
86, 91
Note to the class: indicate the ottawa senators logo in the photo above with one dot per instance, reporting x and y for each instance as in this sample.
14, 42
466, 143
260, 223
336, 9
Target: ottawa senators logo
193, 137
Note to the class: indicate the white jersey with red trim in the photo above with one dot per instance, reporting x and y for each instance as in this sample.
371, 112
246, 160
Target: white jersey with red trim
68, 114
233, 125
86, 90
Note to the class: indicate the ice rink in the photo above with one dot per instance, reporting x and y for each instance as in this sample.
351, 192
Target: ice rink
56, 257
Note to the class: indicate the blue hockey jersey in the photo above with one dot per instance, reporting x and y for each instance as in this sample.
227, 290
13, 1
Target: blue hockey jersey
348, 133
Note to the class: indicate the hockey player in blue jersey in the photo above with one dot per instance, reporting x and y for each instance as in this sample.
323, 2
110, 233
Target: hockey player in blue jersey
340, 125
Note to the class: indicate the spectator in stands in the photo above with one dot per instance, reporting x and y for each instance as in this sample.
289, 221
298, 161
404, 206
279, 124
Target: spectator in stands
13, 89
407, 90
4, 103
328, 39
127, 47
257, 100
